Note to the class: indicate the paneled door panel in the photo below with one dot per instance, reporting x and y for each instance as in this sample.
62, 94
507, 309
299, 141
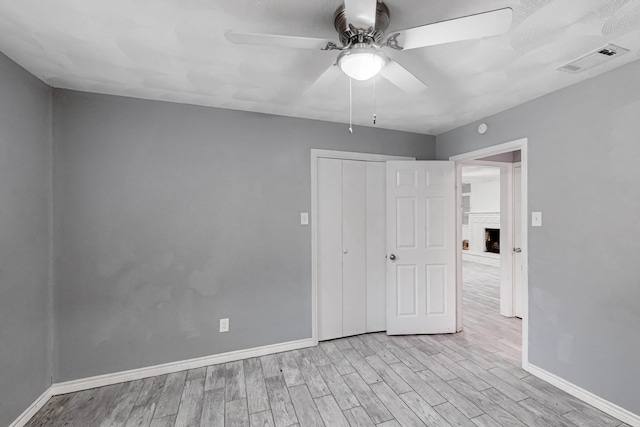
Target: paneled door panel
406, 226
406, 291
421, 255
436, 289
354, 249
329, 221
435, 211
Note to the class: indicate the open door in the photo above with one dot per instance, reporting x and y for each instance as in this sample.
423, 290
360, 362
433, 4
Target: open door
421, 247
517, 242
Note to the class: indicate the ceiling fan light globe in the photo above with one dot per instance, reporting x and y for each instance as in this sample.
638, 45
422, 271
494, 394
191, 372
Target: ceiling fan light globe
361, 64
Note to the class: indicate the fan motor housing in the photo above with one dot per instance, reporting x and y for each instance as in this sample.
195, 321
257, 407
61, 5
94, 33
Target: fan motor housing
346, 34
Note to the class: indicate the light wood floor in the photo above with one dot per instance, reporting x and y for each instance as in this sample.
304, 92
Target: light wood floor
467, 379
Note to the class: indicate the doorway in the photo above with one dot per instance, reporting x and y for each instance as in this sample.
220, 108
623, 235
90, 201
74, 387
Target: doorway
493, 292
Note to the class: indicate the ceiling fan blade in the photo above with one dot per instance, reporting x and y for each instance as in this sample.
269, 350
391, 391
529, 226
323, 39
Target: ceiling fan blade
361, 13
324, 82
274, 40
402, 78
469, 27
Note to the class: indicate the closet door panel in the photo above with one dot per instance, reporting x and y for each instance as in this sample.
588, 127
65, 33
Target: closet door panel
376, 247
329, 222
354, 248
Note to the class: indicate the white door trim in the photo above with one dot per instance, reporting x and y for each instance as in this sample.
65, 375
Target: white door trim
522, 145
329, 154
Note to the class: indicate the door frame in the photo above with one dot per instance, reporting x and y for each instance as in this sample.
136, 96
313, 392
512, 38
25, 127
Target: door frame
522, 145
340, 155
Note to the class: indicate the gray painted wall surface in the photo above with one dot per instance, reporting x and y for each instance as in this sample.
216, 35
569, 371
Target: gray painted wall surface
25, 291
584, 274
169, 217
510, 157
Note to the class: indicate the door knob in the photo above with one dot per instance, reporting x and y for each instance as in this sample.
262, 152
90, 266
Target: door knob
345, 251
517, 250
392, 257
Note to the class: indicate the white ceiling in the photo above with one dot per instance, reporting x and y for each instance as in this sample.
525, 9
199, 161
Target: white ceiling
175, 50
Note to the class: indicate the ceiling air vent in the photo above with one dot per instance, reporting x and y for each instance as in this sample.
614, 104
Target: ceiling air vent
593, 59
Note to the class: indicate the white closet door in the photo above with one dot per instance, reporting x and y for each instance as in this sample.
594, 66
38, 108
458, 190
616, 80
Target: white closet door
329, 223
376, 247
354, 248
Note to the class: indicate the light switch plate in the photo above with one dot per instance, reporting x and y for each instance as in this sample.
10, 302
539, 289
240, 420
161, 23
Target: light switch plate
536, 219
304, 218
224, 325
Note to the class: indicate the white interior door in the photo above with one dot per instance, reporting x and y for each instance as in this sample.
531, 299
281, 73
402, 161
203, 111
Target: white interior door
329, 195
517, 241
376, 246
354, 248
351, 247
421, 247
506, 240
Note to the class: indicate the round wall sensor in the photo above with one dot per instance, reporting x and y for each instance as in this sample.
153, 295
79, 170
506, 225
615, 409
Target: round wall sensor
482, 129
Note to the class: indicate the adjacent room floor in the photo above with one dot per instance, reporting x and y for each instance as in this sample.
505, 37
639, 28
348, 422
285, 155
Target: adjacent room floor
467, 379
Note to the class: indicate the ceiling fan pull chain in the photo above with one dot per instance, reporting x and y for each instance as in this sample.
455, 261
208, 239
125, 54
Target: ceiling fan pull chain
350, 108
375, 103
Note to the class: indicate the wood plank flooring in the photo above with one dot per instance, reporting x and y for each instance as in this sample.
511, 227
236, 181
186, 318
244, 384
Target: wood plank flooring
468, 379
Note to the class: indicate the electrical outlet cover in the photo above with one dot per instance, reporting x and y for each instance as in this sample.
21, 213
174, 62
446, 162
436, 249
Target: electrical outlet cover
224, 325
536, 219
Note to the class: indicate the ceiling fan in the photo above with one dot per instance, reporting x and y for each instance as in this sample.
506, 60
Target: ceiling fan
361, 26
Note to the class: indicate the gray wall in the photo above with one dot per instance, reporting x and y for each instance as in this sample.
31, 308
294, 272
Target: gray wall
25, 291
510, 157
169, 217
584, 274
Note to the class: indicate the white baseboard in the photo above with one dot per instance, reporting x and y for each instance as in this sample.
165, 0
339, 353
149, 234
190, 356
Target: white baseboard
168, 368
33, 409
586, 396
